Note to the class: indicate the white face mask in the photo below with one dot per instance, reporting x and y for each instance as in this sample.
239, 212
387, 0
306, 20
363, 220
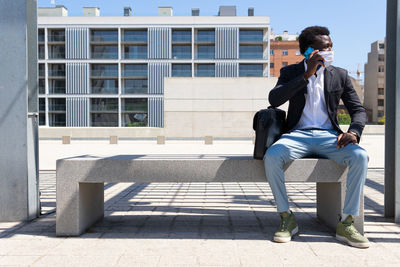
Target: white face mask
328, 57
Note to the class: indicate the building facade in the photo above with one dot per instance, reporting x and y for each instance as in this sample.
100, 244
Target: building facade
109, 71
374, 84
284, 50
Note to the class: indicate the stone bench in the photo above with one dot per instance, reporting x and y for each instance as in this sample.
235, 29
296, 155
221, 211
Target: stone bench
80, 182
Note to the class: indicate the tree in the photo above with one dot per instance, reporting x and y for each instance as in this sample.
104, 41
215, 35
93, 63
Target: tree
343, 117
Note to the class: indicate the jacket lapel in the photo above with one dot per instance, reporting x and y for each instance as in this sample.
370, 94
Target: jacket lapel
328, 78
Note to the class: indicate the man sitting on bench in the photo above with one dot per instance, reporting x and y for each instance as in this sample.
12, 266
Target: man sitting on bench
314, 88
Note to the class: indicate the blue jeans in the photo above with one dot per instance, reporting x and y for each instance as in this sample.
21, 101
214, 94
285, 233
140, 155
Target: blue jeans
320, 144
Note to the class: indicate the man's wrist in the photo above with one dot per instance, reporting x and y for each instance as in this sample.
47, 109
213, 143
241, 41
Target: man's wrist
353, 133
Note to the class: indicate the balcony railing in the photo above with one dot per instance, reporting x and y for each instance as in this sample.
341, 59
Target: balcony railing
247, 55
57, 107
57, 90
104, 73
105, 107
134, 38
135, 90
104, 90
134, 73
135, 107
181, 73
206, 55
205, 73
106, 38
104, 55
181, 55
42, 73
135, 55
251, 38
181, 38
56, 73
205, 39
56, 38
56, 55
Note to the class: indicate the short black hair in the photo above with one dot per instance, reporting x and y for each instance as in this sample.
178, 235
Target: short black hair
308, 36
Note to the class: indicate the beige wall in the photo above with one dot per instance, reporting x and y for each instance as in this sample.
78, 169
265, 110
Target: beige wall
221, 107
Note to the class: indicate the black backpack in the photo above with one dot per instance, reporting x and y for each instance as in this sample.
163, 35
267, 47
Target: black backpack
269, 125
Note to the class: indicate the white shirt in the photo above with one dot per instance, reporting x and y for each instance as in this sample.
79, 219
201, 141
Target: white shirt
315, 114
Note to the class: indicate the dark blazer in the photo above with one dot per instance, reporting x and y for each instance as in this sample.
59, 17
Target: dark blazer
292, 86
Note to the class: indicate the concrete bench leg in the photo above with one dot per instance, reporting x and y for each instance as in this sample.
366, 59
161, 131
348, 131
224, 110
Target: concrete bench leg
78, 209
330, 202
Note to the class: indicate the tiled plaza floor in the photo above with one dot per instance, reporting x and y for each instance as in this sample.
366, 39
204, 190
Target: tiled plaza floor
197, 224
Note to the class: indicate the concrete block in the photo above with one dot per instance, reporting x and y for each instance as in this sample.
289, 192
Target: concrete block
66, 140
80, 191
160, 140
208, 140
113, 140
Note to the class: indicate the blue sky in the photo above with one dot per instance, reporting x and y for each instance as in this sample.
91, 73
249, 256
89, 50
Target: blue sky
354, 24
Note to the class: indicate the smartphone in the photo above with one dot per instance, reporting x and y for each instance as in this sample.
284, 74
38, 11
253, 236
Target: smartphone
307, 54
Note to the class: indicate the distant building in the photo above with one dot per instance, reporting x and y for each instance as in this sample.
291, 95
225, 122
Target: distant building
374, 84
284, 50
109, 71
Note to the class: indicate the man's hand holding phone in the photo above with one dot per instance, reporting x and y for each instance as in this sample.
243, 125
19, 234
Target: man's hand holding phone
313, 62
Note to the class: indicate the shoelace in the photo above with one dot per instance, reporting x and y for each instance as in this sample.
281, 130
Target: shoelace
352, 230
284, 225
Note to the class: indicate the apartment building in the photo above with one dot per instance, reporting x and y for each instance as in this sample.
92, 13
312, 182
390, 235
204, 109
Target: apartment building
284, 50
374, 84
109, 71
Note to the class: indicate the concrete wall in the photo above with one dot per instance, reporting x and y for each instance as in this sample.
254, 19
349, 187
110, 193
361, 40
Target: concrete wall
221, 107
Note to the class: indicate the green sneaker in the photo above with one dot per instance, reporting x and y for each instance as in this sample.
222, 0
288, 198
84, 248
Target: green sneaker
287, 229
346, 232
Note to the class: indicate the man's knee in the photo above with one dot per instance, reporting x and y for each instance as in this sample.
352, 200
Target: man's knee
274, 153
360, 156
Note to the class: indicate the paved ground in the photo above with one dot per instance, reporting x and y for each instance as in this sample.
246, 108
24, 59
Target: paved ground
197, 224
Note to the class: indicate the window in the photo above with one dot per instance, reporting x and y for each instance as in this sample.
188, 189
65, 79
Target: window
135, 86
254, 36
57, 110
40, 35
135, 70
56, 51
135, 51
57, 86
56, 36
104, 70
207, 36
271, 52
41, 53
205, 70
42, 109
298, 53
181, 36
381, 57
181, 51
134, 112
104, 51
381, 113
284, 52
271, 65
284, 64
57, 70
104, 112
181, 70
104, 36
380, 102
104, 86
250, 70
206, 51
381, 69
42, 86
381, 46
139, 36
381, 91
251, 51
